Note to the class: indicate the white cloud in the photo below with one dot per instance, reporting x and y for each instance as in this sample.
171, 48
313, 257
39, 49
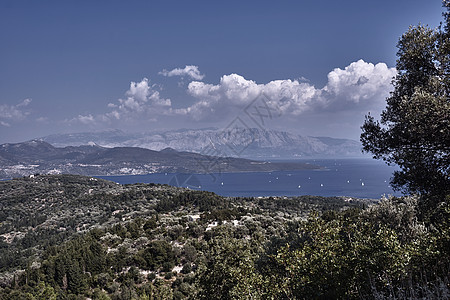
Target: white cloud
42, 119
13, 113
359, 86
142, 101
24, 103
360, 83
89, 119
346, 97
190, 71
141, 98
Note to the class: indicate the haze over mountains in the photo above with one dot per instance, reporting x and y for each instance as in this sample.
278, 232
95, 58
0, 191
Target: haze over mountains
235, 142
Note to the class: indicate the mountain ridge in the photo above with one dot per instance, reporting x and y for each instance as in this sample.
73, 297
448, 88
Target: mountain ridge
250, 143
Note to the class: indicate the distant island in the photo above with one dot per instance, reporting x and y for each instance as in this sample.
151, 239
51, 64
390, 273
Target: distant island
37, 156
251, 143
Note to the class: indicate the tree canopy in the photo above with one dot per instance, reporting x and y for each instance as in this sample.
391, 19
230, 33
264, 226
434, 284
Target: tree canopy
414, 130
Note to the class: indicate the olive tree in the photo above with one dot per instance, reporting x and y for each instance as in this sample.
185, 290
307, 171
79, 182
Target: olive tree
414, 129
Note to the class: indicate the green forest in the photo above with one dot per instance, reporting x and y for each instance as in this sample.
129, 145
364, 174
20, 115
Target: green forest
77, 237
101, 240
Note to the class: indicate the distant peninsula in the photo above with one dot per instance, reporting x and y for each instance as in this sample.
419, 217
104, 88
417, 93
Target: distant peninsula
37, 156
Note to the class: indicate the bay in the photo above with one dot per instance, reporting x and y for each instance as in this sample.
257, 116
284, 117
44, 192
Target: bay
361, 178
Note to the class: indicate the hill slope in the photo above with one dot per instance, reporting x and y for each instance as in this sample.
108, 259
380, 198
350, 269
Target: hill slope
43, 211
75, 237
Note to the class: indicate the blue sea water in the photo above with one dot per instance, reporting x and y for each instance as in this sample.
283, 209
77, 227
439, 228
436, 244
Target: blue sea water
362, 178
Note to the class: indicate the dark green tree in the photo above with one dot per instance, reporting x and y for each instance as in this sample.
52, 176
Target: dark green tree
157, 254
414, 130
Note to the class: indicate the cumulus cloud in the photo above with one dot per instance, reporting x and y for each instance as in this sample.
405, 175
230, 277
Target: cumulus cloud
24, 103
13, 113
142, 101
42, 119
141, 98
360, 83
348, 94
359, 86
89, 119
188, 71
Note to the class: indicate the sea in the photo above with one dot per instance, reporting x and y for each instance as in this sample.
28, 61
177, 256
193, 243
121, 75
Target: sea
360, 178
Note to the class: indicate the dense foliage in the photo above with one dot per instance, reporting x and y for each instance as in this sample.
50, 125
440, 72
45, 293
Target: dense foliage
414, 131
160, 242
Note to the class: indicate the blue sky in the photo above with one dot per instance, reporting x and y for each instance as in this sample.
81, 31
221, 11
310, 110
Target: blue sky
71, 66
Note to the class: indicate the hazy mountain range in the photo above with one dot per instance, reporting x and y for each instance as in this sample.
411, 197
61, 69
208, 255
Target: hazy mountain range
37, 156
236, 142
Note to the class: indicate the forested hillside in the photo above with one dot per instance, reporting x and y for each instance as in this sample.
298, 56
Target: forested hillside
74, 237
